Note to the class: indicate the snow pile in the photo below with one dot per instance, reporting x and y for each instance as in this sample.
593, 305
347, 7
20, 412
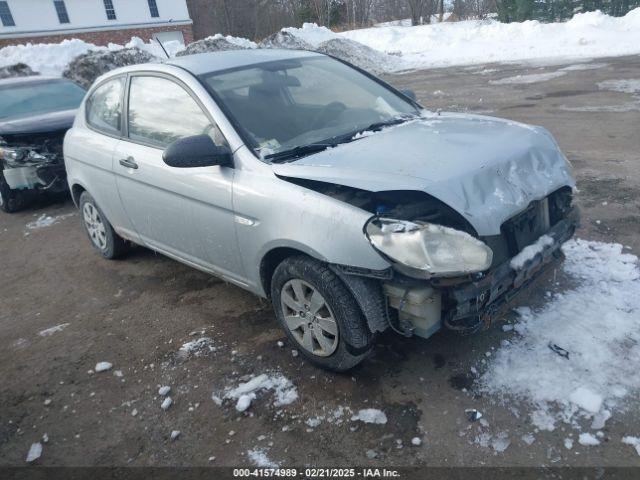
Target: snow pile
285, 392
284, 39
53, 58
370, 415
577, 356
358, 54
525, 79
16, 70
217, 43
85, 68
633, 441
624, 86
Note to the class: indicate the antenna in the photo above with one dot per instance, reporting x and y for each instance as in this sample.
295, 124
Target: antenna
161, 46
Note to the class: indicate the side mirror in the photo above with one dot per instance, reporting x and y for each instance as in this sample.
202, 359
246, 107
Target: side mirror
409, 93
196, 151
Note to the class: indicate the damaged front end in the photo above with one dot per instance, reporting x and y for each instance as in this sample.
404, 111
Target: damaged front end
443, 273
31, 164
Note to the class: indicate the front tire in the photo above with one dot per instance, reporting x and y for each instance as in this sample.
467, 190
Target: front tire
319, 314
101, 234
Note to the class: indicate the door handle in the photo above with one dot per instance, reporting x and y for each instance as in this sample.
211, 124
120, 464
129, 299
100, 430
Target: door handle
129, 162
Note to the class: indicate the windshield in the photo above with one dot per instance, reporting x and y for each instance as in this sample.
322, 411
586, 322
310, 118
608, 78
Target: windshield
37, 98
304, 105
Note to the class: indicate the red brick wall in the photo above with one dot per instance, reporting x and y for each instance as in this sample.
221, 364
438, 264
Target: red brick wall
104, 37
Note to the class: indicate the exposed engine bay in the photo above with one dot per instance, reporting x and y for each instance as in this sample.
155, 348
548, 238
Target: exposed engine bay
31, 164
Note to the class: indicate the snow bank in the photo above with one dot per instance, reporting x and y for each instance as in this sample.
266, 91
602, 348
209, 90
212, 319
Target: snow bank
53, 58
586, 35
579, 353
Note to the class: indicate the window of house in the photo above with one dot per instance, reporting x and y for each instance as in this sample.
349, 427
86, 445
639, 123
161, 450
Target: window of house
108, 7
153, 8
61, 10
5, 15
161, 112
104, 107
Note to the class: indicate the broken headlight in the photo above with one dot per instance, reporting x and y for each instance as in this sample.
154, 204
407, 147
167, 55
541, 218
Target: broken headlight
426, 248
20, 155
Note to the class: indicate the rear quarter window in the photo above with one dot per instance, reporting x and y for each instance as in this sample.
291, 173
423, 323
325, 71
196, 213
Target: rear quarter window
104, 107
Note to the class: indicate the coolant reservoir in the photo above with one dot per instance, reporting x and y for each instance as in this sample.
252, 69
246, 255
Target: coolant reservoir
420, 306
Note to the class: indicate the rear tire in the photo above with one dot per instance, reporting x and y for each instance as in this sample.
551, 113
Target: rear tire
11, 201
319, 314
100, 232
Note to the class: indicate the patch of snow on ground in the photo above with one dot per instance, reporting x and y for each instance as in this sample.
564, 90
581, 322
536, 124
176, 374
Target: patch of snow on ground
260, 459
45, 221
285, 392
633, 441
597, 323
370, 415
102, 367
624, 86
583, 66
50, 331
34, 452
529, 78
588, 440
197, 347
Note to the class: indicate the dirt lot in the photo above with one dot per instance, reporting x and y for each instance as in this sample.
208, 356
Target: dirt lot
138, 312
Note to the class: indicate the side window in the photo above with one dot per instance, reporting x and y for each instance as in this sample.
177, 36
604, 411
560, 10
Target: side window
104, 110
161, 112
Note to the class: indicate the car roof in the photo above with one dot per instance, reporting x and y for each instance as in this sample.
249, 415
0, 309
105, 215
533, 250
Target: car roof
201, 63
15, 81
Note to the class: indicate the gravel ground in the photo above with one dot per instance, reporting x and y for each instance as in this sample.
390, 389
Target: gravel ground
138, 312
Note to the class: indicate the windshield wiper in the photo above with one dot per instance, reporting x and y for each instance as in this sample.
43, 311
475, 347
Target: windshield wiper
297, 152
374, 127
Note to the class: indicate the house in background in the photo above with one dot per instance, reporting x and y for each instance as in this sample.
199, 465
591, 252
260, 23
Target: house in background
95, 21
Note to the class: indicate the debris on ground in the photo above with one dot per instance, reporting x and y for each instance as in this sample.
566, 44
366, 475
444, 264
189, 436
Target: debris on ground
164, 391
370, 415
528, 439
371, 454
34, 452
559, 350
473, 415
174, 435
416, 441
102, 367
85, 68
16, 70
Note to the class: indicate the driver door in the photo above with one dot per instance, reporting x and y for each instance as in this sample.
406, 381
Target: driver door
185, 213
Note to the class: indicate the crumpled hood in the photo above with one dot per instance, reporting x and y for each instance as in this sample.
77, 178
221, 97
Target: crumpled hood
487, 169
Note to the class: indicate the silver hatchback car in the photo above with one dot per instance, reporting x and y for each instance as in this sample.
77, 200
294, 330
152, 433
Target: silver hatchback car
304, 179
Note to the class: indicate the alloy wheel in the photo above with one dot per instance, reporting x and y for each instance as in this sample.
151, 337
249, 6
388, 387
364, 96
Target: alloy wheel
309, 318
95, 226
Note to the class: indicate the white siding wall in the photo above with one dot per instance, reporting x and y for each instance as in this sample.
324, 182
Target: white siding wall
40, 16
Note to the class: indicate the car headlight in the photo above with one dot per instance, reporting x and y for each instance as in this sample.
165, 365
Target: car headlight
20, 154
427, 248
